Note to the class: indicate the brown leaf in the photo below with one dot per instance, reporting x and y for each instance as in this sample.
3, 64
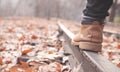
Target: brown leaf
110, 54
58, 67
2, 49
13, 69
118, 65
118, 46
23, 67
50, 52
23, 64
8, 62
30, 69
10, 30
19, 69
1, 61
24, 52
34, 37
21, 38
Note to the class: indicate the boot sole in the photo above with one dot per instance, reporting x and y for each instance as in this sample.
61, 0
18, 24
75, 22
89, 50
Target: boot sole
75, 43
90, 46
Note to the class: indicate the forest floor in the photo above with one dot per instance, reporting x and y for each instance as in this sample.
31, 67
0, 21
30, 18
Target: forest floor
31, 45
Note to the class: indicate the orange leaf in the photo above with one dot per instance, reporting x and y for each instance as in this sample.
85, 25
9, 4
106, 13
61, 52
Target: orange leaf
119, 46
0, 60
58, 67
21, 38
34, 37
24, 52
24, 64
13, 69
23, 67
118, 65
29, 70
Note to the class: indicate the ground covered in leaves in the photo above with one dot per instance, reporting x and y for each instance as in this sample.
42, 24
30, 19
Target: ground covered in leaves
31, 45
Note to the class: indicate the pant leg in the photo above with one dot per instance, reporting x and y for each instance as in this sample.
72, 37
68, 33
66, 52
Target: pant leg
97, 9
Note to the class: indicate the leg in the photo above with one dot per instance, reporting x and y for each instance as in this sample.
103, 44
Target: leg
90, 34
97, 10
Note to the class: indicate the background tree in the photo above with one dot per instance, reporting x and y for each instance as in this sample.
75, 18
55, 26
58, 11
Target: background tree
113, 11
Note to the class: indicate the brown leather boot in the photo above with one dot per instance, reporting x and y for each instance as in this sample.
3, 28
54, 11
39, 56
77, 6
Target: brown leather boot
90, 37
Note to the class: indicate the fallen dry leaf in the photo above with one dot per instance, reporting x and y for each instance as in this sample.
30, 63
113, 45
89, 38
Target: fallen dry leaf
1, 61
10, 30
21, 38
58, 67
8, 62
119, 46
34, 37
21, 69
2, 48
24, 52
118, 65
24, 64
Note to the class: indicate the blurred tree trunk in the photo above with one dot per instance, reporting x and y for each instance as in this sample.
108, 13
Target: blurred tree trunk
113, 11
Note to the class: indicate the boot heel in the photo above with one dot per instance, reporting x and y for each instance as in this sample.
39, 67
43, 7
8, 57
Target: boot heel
90, 46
